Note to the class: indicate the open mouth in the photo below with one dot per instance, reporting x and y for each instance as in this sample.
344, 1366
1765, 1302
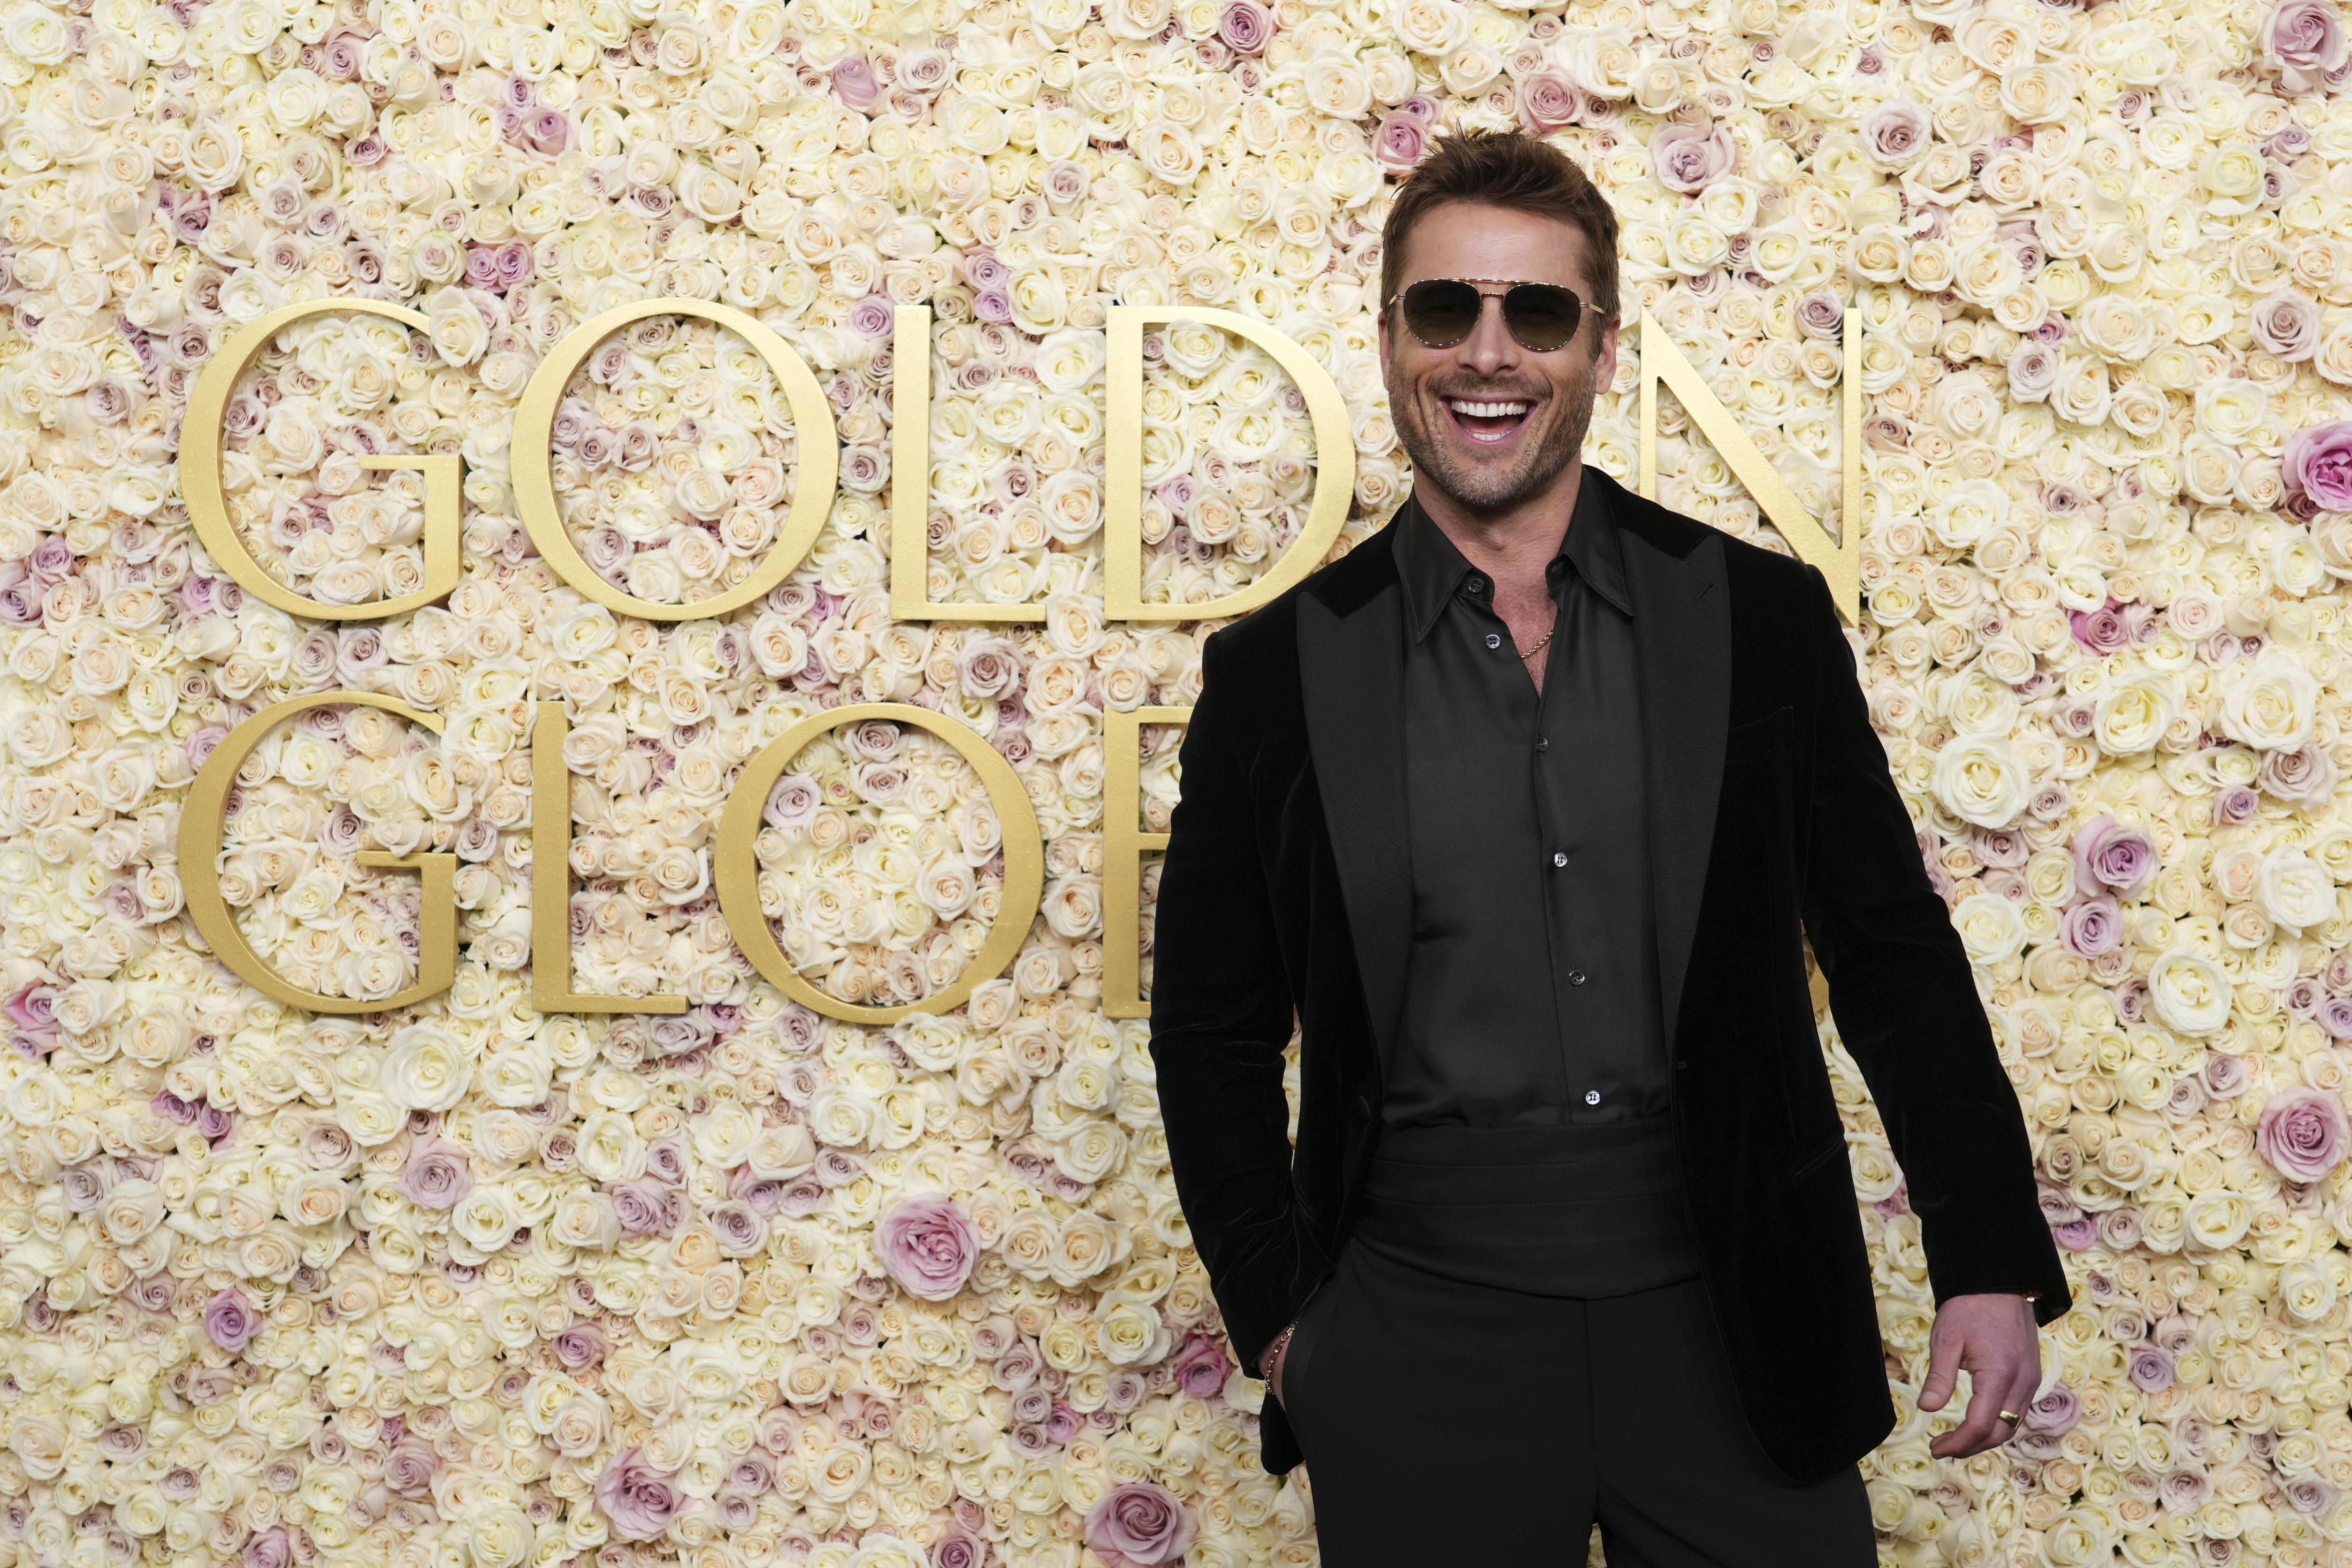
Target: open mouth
1489, 422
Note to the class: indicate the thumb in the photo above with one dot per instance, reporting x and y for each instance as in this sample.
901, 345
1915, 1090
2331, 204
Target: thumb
1942, 1374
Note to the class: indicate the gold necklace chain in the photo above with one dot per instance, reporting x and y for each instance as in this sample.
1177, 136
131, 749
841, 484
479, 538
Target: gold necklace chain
1531, 652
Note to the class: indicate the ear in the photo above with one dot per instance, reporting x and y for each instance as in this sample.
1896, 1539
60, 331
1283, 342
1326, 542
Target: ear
1604, 360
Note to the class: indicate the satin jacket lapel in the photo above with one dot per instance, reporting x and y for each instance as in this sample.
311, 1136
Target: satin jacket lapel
1681, 631
1351, 669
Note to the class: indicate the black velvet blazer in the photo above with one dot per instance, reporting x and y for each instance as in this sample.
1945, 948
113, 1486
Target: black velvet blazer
1287, 889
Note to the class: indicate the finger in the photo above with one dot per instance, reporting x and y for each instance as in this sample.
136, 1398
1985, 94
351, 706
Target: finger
1975, 1428
2021, 1396
1972, 1436
1983, 1427
1943, 1371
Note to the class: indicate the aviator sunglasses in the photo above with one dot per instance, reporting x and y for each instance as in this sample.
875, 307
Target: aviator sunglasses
1441, 311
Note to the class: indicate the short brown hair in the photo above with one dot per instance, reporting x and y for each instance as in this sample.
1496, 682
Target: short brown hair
1513, 169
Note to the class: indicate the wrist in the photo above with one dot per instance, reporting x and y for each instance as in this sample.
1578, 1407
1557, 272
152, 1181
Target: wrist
1273, 1352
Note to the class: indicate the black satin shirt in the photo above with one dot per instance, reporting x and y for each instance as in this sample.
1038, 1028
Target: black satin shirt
1531, 991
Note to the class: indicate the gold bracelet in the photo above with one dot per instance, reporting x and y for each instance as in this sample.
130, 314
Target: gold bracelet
1273, 1349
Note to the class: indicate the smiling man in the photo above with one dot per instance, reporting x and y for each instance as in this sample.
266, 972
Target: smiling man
1523, 811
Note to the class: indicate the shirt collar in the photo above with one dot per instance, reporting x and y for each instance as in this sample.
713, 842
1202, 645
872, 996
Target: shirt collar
1432, 569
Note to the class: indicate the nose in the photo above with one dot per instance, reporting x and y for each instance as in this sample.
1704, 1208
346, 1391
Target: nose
1489, 348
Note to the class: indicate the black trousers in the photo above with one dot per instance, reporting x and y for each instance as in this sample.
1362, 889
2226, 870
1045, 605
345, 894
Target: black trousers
1447, 1422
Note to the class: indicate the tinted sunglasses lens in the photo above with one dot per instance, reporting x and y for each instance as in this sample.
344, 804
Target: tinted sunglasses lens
1542, 316
1441, 311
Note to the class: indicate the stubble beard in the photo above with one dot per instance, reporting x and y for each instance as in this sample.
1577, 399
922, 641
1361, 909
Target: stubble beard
1489, 487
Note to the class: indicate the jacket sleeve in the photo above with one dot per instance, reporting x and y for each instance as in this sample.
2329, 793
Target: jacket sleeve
1221, 1017
1905, 1000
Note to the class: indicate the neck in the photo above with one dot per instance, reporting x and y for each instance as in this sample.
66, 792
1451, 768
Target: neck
1514, 545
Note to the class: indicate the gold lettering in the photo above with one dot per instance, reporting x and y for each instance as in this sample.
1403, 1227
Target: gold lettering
1124, 846
550, 881
200, 848
534, 467
1839, 556
910, 482
1335, 481
738, 861
201, 482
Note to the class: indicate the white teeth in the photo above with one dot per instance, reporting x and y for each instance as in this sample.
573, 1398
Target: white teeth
1486, 410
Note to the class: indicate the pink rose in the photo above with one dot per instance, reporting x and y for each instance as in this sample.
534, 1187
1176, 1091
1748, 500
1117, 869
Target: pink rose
639, 1499
2318, 462
929, 1247
1138, 1524
1895, 133
2303, 1133
1549, 100
1398, 144
1689, 158
2287, 325
2111, 856
2305, 40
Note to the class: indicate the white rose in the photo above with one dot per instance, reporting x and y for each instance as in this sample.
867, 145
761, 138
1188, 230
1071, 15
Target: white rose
2190, 992
2134, 714
1980, 779
2295, 890
2273, 705
424, 1069
1991, 927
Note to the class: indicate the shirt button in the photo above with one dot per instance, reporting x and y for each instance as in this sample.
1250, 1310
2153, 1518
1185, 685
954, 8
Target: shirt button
1477, 585
1576, 977
1560, 856
1591, 1096
1494, 640
1543, 745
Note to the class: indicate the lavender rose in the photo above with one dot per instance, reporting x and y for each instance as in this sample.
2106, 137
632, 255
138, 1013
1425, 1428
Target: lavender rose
2091, 927
580, 1344
2305, 40
639, 1499
2303, 1133
929, 1247
2305, 776
2287, 324
270, 1549
437, 1176
852, 81
1138, 1522
1244, 26
1895, 133
230, 1321
1689, 158
1549, 100
2318, 464
1201, 1368
2109, 854
1398, 144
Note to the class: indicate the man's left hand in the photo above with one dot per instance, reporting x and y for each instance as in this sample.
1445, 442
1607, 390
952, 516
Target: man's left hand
1992, 1339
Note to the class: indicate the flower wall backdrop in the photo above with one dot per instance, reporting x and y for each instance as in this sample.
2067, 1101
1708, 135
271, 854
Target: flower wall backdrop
464, 1283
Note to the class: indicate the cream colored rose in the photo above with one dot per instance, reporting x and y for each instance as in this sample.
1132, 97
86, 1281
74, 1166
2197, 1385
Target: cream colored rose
1991, 927
2273, 705
2190, 992
425, 1068
1981, 779
2133, 715
2295, 890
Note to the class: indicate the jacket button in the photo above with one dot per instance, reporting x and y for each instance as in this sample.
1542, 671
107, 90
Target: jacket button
1494, 640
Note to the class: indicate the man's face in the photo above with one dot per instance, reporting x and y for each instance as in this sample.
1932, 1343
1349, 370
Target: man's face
1488, 421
